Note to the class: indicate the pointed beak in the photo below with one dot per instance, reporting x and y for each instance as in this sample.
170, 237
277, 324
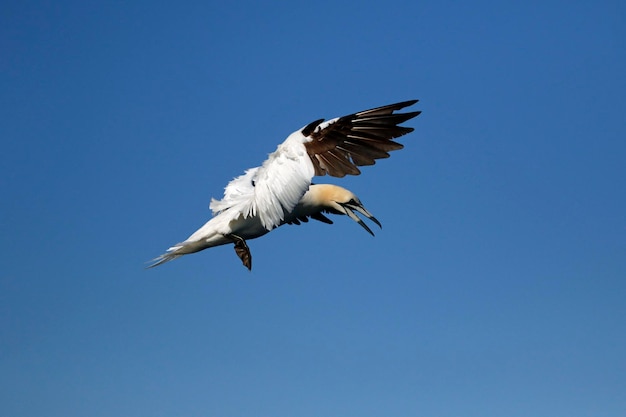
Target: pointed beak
349, 209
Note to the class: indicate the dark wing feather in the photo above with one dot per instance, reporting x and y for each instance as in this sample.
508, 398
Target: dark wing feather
341, 146
316, 216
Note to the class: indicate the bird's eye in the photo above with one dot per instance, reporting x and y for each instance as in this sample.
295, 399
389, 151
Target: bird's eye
352, 201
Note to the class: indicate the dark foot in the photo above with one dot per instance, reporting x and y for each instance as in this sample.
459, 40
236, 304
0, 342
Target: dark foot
242, 250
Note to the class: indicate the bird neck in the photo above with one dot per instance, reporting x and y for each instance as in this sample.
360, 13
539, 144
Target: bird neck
319, 197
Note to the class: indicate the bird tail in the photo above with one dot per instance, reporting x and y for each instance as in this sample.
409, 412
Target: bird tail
170, 255
203, 238
179, 250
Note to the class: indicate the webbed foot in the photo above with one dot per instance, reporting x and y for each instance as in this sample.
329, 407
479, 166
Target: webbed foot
242, 250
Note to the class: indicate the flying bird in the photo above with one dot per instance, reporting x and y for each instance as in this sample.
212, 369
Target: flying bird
280, 191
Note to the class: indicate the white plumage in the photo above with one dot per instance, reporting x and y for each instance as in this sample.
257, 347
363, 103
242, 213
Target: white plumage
280, 190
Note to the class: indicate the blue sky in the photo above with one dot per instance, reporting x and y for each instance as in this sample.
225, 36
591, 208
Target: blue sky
495, 288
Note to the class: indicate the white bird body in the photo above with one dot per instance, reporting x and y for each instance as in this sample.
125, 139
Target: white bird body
280, 190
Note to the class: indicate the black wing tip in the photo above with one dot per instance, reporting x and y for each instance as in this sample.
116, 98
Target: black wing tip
401, 105
407, 103
388, 109
308, 129
412, 114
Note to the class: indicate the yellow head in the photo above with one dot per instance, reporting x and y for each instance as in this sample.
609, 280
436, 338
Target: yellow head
337, 200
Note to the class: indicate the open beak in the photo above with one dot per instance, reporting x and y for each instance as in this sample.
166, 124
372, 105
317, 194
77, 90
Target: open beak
349, 209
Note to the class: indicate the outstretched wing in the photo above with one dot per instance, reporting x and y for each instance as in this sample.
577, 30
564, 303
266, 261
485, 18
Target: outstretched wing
339, 146
335, 147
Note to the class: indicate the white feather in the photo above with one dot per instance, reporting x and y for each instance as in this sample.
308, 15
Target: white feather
271, 190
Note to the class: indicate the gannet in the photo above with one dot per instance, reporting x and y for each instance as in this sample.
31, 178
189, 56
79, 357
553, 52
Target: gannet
280, 191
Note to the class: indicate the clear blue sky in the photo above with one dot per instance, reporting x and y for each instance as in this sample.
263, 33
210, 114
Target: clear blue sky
496, 287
